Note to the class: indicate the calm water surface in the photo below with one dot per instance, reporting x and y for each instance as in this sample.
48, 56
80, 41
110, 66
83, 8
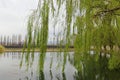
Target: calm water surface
54, 66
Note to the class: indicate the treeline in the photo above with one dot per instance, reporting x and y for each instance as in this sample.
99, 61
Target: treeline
14, 40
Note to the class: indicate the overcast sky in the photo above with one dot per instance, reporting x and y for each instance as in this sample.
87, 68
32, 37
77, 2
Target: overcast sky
14, 15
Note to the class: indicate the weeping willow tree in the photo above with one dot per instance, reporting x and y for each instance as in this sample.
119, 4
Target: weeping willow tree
89, 24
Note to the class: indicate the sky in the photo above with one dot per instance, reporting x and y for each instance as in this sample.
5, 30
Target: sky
14, 15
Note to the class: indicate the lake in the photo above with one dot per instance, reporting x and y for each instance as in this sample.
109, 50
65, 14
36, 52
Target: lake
54, 66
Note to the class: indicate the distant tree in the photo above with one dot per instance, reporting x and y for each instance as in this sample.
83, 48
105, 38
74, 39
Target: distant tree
8, 40
4, 42
19, 40
13, 39
1, 40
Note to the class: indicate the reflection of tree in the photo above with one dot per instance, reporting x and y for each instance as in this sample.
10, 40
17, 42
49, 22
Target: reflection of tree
64, 61
41, 75
87, 68
51, 75
29, 59
64, 77
41, 66
91, 69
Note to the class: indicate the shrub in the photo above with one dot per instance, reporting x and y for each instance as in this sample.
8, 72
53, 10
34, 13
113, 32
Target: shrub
2, 49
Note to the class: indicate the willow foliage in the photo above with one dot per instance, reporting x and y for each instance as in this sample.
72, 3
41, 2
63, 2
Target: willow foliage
93, 24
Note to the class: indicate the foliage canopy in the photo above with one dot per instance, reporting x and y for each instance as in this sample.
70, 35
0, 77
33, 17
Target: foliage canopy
94, 24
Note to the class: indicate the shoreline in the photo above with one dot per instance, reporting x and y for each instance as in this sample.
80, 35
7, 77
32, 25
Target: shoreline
36, 50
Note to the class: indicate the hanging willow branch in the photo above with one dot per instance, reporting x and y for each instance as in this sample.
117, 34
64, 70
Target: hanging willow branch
79, 27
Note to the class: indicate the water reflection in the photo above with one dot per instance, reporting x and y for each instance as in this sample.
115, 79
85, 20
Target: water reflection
55, 66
